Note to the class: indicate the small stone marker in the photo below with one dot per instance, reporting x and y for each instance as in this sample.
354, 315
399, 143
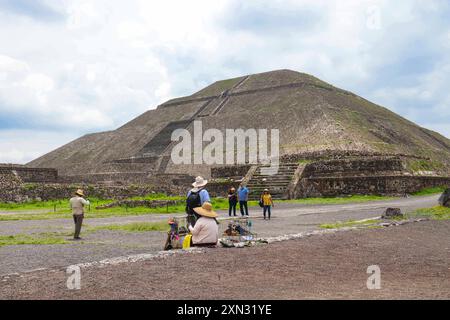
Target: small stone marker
392, 213
444, 199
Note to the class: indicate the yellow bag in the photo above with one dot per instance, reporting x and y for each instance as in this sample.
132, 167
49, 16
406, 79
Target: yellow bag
187, 241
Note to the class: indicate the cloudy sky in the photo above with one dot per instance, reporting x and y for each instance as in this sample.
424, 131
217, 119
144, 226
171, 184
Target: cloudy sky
71, 67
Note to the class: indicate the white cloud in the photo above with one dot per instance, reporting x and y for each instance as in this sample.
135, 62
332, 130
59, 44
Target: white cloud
21, 146
105, 62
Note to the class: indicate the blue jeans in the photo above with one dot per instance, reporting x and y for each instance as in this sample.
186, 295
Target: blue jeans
267, 209
243, 205
232, 207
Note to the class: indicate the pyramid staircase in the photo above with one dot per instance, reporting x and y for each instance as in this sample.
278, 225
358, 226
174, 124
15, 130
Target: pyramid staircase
277, 184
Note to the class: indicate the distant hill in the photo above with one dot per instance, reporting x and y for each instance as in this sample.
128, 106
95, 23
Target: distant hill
311, 115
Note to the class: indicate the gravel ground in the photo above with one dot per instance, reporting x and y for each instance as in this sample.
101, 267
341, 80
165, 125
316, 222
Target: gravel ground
287, 218
414, 260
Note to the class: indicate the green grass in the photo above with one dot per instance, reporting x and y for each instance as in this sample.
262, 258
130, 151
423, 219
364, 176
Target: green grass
341, 200
135, 227
48, 238
435, 213
63, 211
424, 165
33, 239
58, 205
350, 223
429, 191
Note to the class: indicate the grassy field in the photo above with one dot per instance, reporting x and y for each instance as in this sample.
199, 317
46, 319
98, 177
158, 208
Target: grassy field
135, 227
61, 205
47, 238
350, 223
59, 209
34, 239
429, 191
436, 213
341, 200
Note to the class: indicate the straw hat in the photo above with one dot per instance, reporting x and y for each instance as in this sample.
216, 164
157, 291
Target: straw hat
80, 193
206, 210
199, 182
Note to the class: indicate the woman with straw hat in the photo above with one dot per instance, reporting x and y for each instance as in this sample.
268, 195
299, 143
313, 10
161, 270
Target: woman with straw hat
206, 230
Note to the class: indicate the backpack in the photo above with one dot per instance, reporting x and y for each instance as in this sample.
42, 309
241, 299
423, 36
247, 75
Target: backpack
193, 201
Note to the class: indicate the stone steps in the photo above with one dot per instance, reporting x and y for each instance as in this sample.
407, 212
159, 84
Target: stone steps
162, 139
282, 178
270, 183
277, 183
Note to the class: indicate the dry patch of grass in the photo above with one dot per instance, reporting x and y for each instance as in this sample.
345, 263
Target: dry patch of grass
350, 223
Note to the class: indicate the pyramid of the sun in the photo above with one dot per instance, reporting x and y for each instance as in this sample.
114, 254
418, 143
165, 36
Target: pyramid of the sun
311, 116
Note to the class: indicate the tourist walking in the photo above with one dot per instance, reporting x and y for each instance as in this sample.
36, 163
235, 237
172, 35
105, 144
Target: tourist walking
243, 192
267, 202
77, 204
196, 197
206, 230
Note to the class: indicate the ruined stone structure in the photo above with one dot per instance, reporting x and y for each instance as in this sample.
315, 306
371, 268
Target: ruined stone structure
331, 141
27, 174
336, 177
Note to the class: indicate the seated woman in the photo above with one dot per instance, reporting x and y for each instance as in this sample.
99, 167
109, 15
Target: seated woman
206, 230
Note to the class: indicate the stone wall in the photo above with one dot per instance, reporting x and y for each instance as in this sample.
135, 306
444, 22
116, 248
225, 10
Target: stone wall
378, 185
10, 186
65, 191
111, 177
30, 174
355, 167
329, 154
220, 188
230, 171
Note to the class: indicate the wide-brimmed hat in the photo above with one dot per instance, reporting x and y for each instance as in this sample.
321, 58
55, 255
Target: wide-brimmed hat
199, 182
80, 193
206, 210
266, 190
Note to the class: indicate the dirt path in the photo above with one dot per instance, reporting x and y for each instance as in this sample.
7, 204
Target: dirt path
287, 218
414, 260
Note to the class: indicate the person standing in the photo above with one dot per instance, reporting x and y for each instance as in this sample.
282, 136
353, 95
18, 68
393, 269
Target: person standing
243, 199
232, 201
77, 204
196, 197
267, 201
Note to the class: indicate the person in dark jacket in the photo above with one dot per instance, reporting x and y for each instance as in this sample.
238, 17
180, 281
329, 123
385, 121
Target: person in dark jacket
196, 197
232, 201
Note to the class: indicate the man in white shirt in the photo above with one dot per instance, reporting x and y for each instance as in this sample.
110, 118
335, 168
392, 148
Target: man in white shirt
77, 204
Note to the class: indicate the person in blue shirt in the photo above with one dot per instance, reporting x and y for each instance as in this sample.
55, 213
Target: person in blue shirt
196, 197
243, 198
